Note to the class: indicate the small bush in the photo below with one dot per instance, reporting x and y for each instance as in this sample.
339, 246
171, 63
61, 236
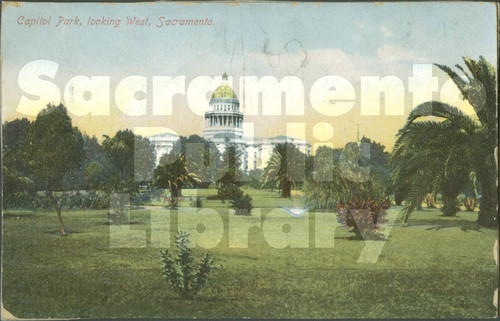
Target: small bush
469, 204
228, 192
363, 216
213, 197
19, 201
181, 273
242, 204
430, 201
140, 198
70, 201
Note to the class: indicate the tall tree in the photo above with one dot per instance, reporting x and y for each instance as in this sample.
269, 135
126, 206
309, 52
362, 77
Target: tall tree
465, 135
285, 167
378, 160
129, 162
230, 175
94, 163
52, 149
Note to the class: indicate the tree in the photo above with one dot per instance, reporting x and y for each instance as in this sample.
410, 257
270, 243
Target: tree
327, 186
378, 160
339, 177
285, 167
231, 177
427, 158
53, 148
201, 153
468, 143
173, 173
94, 163
129, 162
17, 179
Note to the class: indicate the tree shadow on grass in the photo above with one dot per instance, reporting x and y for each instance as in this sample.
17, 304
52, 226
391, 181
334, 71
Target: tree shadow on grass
359, 237
55, 230
199, 298
475, 228
438, 224
125, 223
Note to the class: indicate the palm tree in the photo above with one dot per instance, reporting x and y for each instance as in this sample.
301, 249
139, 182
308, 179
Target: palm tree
427, 157
230, 173
174, 175
445, 152
285, 167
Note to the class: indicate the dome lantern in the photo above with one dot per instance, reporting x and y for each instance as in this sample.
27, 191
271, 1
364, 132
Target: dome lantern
224, 91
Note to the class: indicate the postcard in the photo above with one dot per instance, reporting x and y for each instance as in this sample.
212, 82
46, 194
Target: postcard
249, 160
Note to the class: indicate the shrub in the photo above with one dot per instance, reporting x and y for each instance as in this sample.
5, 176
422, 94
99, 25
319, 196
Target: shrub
91, 200
213, 197
363, 216
19, 201
430, 201
242, 204
469, 204
71, 201
142, 197
228, 192
181, 273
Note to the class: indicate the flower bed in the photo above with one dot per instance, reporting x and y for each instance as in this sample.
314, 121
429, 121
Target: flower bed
363, 217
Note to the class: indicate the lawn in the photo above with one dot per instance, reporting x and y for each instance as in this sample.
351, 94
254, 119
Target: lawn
436, 267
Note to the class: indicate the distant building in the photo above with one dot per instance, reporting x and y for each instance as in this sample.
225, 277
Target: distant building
224, 125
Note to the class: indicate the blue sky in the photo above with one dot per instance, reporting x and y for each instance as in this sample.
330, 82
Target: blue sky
305, 39
442, 30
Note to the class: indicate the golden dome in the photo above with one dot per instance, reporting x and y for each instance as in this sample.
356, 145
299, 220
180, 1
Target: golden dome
224, 91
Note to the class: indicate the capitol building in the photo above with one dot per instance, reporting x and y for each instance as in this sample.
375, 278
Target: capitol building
224, 126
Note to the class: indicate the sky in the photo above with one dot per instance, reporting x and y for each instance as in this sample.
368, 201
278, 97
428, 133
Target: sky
307, 41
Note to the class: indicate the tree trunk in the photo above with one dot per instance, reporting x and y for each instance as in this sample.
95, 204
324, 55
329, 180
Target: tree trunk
450, 202
488, 212
174, 196
399, 195
58, 210
286, 191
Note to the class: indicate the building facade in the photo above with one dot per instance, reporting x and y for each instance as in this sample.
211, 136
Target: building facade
224, 125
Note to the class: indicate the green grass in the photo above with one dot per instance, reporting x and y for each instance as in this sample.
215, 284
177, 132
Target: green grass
435, 268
